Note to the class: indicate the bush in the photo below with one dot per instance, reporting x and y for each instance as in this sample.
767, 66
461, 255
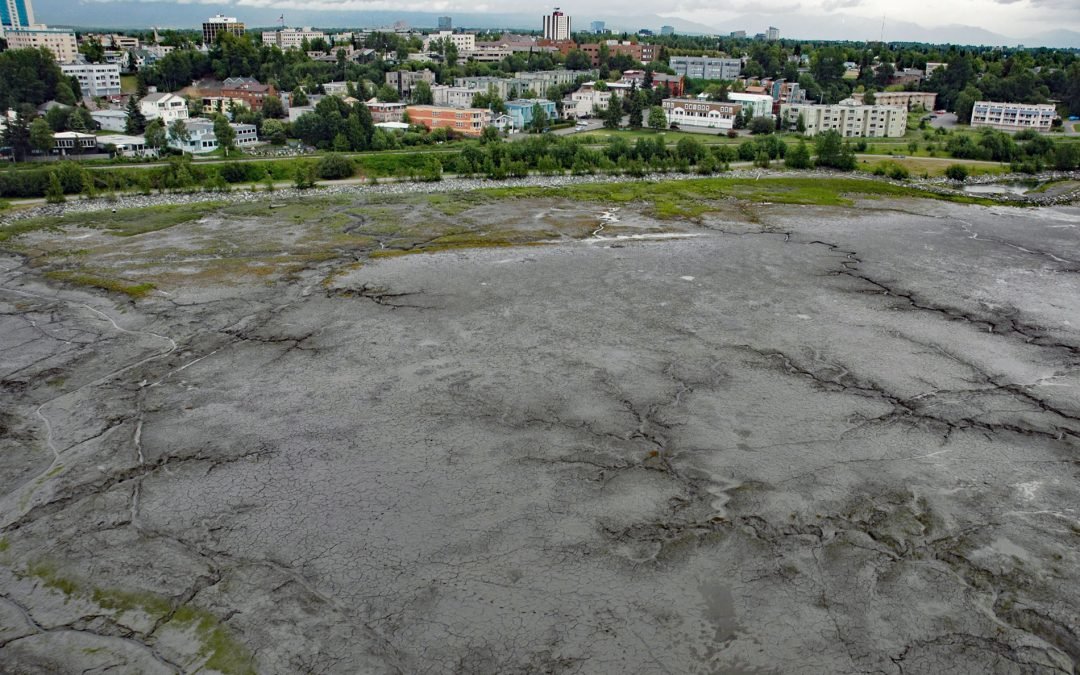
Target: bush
335, 167
897, 172
731, 133
957, 172
54, 194
762, 125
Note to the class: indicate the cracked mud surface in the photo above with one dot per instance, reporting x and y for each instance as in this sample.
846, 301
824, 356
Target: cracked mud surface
815, 440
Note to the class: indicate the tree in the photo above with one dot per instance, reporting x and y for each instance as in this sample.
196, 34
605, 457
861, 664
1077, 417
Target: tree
657, 118
335, 167
17, 132
93, 51
136, 121
636, 111
539, 122
28, 76
41, 135
274, 131
178, 133
762, 126
155, 134
957, 172
798, 157
272, 108
613, 114
965, 102
800, 124
869, 98
421, 94
225, 134
833, 152
299, 97
387, 94
54, 194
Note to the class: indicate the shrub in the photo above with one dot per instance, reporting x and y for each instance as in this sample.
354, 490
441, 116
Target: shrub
762, 125
731, 133
957, 172
335, 167
897, 172
54, 194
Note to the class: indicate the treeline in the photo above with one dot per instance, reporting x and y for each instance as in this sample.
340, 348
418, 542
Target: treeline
1026, 151
32, 77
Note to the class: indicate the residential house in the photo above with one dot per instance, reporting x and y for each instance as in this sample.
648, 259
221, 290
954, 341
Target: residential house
110, 120
685, 112
586, 101
164, 106
126, 146
521, 111
201, 138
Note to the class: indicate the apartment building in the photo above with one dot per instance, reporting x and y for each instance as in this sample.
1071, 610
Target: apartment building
643, 53
487, 54
95, 79
676, 84
687, 112
386, 112
1013, 116
848, 118
557, 26
467, 121
291, 38
586, 102
521, 111
60, 41
454, 97
110, 120
465, 42
164, 106
218, 24
404, 80
926, 100
112, 41
706, 67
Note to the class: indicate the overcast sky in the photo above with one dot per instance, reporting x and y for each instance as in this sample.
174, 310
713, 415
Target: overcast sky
1016, 18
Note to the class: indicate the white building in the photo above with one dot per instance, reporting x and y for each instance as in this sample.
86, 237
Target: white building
60, 41
74, 142
454, 97
291, 38
201, 138
110, 120
926, 100
557, 26
586, 101
1013, 116
773, 34
465, 42
761, 105
127, 146
167, 107
687, 112
706, 67
848, 118
95, 79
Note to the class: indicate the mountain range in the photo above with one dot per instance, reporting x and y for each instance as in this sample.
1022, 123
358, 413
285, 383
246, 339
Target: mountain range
122, 14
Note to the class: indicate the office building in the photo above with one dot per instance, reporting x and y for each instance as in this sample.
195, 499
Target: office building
738, 34
60, 41
773, 34
597, 27
291, 38
464, 121
445, 23
95, 79
706, 67
16, 14
848, 119
685, 112
667, 30
557, 26
1013, 116
218, 24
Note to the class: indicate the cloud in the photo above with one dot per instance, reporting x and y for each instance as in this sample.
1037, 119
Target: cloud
833, 5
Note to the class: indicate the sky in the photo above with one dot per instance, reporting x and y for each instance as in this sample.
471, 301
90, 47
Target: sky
1011, 18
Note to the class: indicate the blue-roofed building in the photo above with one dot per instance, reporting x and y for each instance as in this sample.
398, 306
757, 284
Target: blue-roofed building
16, 14
521, 110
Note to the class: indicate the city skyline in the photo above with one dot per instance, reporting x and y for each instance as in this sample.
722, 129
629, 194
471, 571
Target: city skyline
1032, 22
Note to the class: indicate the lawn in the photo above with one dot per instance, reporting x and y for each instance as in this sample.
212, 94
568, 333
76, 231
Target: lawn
128, 84
917, 166
670, 136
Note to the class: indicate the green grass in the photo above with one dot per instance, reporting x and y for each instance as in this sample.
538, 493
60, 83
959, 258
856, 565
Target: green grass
128, 288
670, 136
222, 653
128, 84
691, 198
123, 223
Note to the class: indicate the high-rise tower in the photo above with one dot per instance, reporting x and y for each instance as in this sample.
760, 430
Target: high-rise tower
16, 14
